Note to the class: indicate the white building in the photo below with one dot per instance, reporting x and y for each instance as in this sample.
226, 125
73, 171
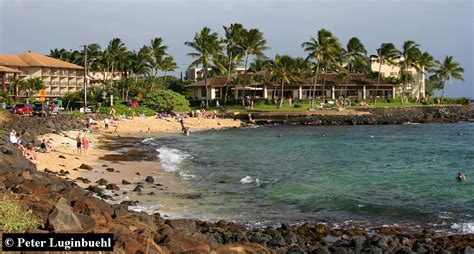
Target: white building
196, 73
414, 89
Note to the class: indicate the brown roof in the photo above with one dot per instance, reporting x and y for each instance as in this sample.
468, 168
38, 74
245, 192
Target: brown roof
31, 59
11, 60
8, 70
331, 79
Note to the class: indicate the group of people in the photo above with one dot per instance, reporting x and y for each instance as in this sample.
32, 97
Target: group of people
29, 151
82, 143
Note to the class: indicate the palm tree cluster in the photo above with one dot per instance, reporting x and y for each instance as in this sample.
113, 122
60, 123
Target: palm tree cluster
146, 62
223, 55
325, 54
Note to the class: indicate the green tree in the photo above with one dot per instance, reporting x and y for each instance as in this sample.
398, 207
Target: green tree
253, 44
386, 54
284, 71
168, 64
166, 100
116, 50
446, 71
31, 85
158, 52
408, 57
233, 36
206, 44
323, 49
423, 65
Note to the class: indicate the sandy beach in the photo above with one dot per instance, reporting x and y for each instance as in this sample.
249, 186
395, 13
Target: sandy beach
111, 165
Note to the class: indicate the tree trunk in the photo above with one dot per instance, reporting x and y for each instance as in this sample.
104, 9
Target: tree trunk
164, 80
228, 78
444, 88
324, 84
205, 84
315, 83
246, 59
282, 90
378, 83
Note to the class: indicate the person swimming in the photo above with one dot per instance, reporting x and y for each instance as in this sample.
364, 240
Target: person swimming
461, 177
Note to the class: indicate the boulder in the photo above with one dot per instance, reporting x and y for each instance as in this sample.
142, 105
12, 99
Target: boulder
110, 169
63, 219
125, 182
149, 179
112, 186
85, 166
102, 181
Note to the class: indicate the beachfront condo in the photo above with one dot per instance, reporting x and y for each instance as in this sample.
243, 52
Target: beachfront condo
358, 86
414, 89
59, 77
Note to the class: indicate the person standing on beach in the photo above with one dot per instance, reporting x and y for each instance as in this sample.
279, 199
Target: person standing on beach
106, 123
85, 144
79, 143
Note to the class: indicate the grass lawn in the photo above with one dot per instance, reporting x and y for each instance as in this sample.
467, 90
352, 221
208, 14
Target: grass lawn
305, 106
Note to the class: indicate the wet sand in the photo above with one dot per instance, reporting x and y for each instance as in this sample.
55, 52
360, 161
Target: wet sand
117, 149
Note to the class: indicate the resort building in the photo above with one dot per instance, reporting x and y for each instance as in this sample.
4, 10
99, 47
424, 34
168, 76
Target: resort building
59, 77
259, 85
96, 77
195, 74
415, 89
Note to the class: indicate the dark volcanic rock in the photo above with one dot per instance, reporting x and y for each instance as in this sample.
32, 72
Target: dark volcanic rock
110, 169
102, 181
63, 219
125, 182
149, 179
61, 156
85, 166
137, 189
112, 186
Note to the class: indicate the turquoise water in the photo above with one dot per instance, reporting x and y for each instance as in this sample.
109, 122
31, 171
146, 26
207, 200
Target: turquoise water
369, 175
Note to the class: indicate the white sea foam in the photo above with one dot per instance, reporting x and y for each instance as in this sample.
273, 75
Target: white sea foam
247, 179
186, 176
171, 158
464, 228
147, 140
149, 209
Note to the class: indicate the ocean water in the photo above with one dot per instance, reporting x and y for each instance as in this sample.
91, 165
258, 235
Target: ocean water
361, 175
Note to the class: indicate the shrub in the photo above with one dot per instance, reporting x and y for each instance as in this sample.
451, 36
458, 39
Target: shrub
121, 109
168, 101
15, 217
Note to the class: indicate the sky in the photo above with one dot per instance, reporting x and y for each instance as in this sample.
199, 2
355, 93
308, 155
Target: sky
441, 27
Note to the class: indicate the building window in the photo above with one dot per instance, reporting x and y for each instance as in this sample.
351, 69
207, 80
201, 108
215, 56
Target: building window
203, 92
218, 92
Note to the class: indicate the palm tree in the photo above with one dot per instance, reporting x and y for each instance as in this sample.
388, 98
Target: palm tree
61, 54
233, 36
168, 64
206, 44
386, 54
323, 48
31, 85
408, 56
356, 56
446, 71
158, 52
116, 49
284, 71
423, 64
253, 43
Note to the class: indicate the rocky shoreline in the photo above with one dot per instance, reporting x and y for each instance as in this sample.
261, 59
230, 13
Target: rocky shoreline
366, 116
52, 197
